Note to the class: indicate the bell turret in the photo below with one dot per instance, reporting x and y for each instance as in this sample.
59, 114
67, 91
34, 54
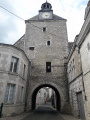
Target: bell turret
46, 6
46, 12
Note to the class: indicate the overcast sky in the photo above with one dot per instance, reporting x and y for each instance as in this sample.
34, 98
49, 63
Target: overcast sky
12, 28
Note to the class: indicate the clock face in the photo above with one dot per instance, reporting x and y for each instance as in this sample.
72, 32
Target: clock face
46, 15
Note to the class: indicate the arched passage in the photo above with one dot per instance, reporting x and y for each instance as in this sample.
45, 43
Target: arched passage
58, 100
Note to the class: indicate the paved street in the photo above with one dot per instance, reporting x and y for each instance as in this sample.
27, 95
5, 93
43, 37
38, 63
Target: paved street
44, 113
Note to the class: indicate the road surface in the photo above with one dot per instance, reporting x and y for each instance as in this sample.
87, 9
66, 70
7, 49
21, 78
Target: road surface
44, 113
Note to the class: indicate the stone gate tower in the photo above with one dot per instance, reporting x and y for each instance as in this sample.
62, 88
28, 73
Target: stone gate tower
46, 46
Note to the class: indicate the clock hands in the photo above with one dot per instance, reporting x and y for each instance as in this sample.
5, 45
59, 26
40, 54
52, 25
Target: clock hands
47, 16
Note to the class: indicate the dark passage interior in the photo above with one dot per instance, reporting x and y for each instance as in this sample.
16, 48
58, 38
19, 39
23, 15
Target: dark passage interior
57, 96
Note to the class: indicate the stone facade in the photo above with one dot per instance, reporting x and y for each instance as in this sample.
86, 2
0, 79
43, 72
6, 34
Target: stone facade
45, 46
21, 43
43, 96
7, 77
39, 53
85, 58
79, 71
84, 45
74, 79
42, 57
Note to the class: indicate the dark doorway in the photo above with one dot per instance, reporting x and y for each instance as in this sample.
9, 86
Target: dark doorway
58, 101
81, 105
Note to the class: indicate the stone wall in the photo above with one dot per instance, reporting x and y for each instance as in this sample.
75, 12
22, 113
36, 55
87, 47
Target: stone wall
20, 43
12, 78
74, 79
55, 53
85, 58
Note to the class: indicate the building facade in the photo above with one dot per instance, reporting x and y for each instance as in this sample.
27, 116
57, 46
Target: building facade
43, 57
75, 82
45, 48
41, 97
13, 79
84, 46
44, 96
79, 71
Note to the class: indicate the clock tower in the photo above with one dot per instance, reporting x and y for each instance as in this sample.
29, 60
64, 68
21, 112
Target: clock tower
46, 46
46, 11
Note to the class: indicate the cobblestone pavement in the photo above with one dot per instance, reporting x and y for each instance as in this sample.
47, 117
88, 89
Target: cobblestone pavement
42, 113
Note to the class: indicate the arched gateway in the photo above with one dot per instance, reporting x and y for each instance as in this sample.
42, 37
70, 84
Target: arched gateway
58, 99
61, 96
46, 46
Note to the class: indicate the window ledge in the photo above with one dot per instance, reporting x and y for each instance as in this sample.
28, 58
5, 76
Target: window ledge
13, 73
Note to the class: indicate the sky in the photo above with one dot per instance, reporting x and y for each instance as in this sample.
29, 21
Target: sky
12, 28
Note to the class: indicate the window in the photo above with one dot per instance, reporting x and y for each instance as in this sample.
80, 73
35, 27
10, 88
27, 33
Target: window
21, 94
44, 29
88, 45
48, 66
44, 6
31, 48
10, 91
14, 63
48, 42
47, 6
24, 71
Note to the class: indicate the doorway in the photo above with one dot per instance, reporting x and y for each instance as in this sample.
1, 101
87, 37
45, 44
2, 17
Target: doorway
81, 105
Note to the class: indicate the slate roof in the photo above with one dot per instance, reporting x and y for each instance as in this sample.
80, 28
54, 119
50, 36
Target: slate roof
55, 17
